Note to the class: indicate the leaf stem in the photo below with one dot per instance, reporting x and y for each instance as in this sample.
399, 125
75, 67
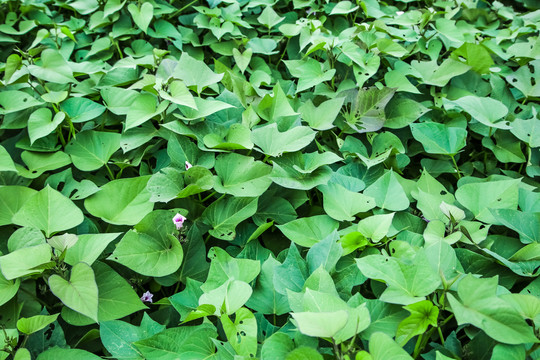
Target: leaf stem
417, 347
111, 175
455, 165
209, 196
440, 335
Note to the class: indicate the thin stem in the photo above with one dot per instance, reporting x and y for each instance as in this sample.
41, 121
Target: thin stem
532, 349
61, 136
417, 346
183, 8
111, 175
455, 165
209, 196
440, 335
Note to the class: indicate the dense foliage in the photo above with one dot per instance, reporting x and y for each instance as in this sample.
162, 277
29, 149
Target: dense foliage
271, 178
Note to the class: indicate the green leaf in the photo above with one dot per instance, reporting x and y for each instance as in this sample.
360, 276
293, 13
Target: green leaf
320, 324
476, 56
22, 354
265, 299
90, 150
8, 288
41, 123
522, 79
274, 143
118, 336
527, 130
375, 227
343, 7
204, 108
526, 224
390, 47
241, 176
382, 347
277, 346
309, 72
224, 268
224, 215
423, 314
402, 111
39, 162
13, 101
180, 149
478, 305
238, 136
367, 109
242, 59
166, 184
195, 73
276, 108
121, 202
194, 342
6, 164
506, 148
484, 110
197, 179
480, 197
118, 100
269, 17
117, 298
242, 333
223, 300
50, 211
342, 204
61, 353
439, 75
179, 94
81, 109
53, 68
80, 293
302, 171
407, 284
151, 249
89, 247
144, 107
12, 199
439, 138
35, 323
143, 16
388, 193
308, 231
25, 261
321, 117
326, 253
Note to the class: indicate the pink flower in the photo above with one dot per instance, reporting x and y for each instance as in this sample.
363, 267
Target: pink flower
147, 297
188, 165
178, 220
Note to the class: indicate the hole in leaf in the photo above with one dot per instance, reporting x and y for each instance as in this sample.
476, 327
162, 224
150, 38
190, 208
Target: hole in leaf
443, 192
25, 99
242, 333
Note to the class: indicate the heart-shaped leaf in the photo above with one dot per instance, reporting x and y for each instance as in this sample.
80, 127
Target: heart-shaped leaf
80, 293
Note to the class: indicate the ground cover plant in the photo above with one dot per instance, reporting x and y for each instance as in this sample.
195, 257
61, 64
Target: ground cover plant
269, 179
